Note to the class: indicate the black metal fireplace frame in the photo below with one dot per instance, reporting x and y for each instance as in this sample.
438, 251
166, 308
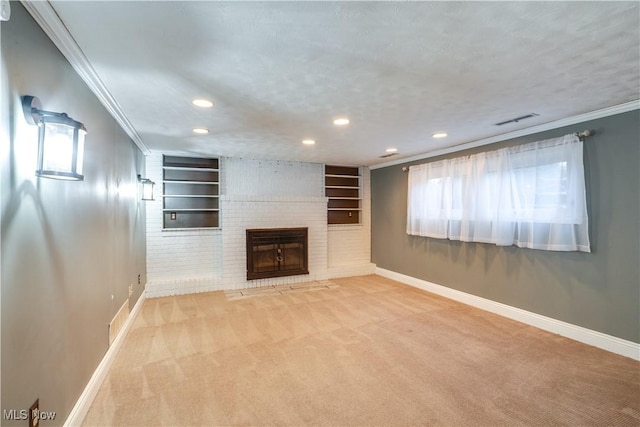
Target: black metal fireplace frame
277, 236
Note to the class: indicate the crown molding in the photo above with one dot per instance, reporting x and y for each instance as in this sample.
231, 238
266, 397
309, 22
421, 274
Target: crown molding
45, 15
598, 114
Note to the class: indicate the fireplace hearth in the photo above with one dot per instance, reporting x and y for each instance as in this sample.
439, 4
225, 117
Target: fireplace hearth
276, 252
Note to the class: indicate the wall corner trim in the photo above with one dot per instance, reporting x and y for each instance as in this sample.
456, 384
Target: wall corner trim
81, 408
578, 333
47, 18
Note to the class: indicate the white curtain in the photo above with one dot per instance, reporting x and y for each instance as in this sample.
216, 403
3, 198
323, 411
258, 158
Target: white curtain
532, 196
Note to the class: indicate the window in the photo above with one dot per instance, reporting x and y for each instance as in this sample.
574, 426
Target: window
190, 192
529, 196
342, 187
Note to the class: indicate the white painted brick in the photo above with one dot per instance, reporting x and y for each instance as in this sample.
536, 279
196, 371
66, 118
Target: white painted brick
350, 245
254, 194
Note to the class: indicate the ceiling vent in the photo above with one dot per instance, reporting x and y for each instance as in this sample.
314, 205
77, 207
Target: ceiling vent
384, 156
517, 119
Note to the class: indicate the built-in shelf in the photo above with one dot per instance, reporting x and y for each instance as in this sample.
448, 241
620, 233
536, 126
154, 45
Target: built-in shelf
343, 188
346, 198
187, 195
190, 192
182, 168
177, 181
190, 210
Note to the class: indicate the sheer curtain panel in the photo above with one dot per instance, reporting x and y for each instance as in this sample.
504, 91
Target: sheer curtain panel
532, 196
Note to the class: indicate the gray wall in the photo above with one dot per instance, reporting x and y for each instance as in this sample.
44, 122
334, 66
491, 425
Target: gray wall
599, 291
69, 249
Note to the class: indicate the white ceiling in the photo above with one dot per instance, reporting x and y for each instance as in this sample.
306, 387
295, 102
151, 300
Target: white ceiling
280, 72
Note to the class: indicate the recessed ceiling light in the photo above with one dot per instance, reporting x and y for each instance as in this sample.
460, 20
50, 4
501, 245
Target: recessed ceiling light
204, 103
439, 135
342, 121
308, 142
391, 150
201, 131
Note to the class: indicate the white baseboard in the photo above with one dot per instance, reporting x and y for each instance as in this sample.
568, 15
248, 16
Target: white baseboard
578, 333
80, 409
335, 272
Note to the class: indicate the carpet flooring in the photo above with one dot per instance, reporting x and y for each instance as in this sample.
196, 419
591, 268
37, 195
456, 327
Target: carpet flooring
359, 351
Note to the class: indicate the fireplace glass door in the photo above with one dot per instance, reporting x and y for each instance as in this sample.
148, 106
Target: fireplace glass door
276, 252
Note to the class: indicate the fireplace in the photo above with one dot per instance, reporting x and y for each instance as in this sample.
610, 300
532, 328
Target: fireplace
276, 252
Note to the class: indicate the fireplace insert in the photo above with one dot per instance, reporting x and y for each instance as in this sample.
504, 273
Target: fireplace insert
276, 252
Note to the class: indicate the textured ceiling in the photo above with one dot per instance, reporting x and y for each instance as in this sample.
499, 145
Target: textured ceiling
280, 72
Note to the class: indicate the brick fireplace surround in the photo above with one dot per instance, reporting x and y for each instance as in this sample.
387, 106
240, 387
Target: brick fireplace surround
252, 196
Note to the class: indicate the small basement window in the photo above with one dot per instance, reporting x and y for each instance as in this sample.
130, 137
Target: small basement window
531, 196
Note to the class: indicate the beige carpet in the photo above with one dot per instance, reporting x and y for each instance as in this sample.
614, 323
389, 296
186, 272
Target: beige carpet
357, 351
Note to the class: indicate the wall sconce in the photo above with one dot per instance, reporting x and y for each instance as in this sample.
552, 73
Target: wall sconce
60, 141
147, 188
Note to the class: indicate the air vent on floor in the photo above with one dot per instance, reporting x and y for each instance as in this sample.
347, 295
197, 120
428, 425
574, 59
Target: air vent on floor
517, 119
384, 156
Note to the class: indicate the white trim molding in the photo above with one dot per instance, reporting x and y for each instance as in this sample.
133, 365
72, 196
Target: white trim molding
81, 408
598, 114
578, 333
47, 18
